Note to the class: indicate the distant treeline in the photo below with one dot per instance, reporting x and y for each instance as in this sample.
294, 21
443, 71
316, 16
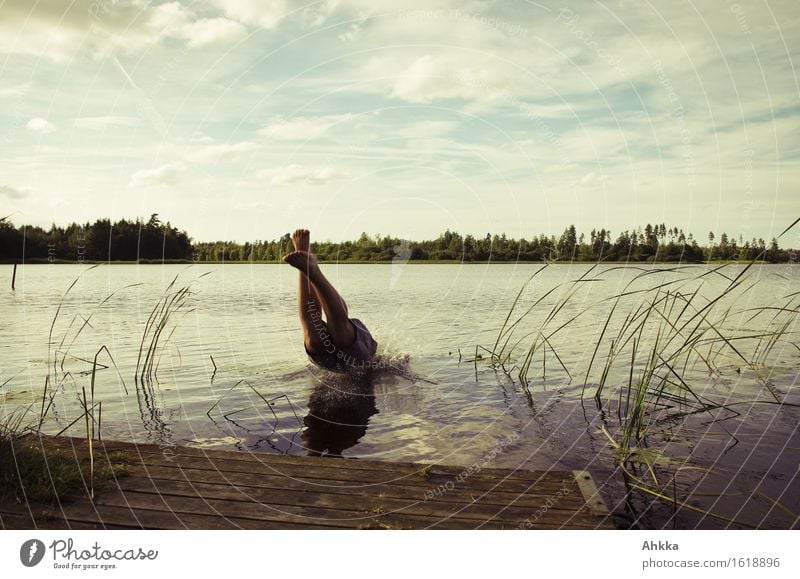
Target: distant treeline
156, 241
100, 241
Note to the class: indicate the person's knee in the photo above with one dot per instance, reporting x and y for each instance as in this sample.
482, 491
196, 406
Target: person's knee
343, 334
315, 331
313, 344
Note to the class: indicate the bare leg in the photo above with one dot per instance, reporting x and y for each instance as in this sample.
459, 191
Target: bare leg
309, 305
338, 321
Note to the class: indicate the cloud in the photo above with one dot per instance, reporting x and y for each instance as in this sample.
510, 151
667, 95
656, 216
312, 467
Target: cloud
198, 137
591, 179
302, 128
262, 13
223, 152
104, 122
13, 91
58, 30
426, 79
559, 167
427, 129
163, 175
318, 12
447, 74
353, 31
299, 174
209, 31
40, 125
13, 193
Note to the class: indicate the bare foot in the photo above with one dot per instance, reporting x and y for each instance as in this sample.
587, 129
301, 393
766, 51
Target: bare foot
304, 261
301, 239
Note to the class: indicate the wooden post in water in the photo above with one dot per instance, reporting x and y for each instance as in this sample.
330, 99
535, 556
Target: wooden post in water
14, 277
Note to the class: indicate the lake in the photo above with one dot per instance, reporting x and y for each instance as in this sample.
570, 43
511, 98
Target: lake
229, 372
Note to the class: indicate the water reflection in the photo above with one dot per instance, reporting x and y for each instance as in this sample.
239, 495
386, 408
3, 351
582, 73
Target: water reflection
339, 409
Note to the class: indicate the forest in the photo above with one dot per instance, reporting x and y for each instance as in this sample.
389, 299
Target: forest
155, 241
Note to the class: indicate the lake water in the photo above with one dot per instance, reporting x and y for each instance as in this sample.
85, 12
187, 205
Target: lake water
436, 403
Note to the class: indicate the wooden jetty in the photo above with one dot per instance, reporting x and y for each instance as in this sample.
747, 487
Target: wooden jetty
180, 487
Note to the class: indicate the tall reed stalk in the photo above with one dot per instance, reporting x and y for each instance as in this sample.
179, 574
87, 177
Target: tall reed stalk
659, 342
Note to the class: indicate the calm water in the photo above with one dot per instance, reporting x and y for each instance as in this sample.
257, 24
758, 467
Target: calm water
264, 397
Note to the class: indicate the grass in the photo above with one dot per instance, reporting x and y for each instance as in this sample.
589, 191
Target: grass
33, 468
662, 339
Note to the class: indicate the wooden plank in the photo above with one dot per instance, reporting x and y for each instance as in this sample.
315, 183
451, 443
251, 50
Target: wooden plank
16, 521
399, 469
181, 487
245, 481
355, 506
17, 516
590, 493
331, 467
270, 516
421, 488
322, 475
113, 516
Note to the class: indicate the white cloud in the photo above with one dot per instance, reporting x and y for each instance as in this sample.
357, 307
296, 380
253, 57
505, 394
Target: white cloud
223, 152
426, 79
427, 129
353, 31
13, 193
447, 74
163, 175
40, 125
58, 30
592, 178
300, 174
209, 31
559, 168
14, 91
322, 10
302, 128
264, 13
104, 122
200, 138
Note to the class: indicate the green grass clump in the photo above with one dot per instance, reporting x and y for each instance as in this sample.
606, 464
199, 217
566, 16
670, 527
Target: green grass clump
35, 470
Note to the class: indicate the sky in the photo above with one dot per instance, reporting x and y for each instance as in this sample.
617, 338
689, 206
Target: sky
245, 119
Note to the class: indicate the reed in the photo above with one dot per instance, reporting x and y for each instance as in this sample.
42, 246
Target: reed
174, 302
663, 338
31, 468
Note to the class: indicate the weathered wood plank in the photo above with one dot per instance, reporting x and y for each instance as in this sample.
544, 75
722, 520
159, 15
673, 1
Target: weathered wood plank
181, 487
399, 469
269, 515
458, 495
327, 470
354, 505
590, 493
16, 516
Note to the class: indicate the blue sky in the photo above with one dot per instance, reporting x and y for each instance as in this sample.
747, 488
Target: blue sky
244, 119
